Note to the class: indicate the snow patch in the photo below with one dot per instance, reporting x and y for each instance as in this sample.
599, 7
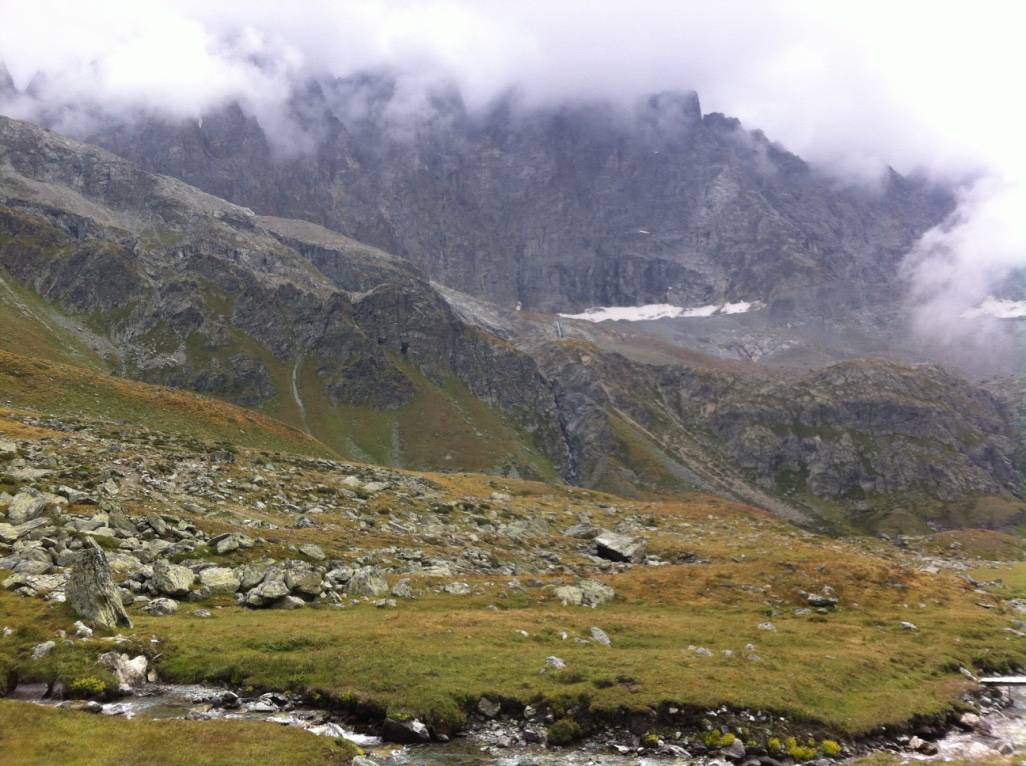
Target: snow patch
998, 308
652, 311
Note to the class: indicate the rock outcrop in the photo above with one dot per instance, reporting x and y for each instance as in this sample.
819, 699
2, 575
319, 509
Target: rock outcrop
91, 593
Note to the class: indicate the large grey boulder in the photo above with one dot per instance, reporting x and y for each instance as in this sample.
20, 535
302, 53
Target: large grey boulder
161, 607
220, 579
367, 582
27, 505
585, 593
616, 547
91, 593
128, 671
270, 590
304, 582
172, 579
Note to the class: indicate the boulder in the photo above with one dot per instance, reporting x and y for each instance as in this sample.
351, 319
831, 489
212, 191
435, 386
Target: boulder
91, 593
304, 582
617, 547
408, 732
488, 708
26, 505
367, 582
220, 580
128, 672
8, 533
403, 589
172, 579
585, 593
8, 449
43, 650
161, 607
267, 592
312, 551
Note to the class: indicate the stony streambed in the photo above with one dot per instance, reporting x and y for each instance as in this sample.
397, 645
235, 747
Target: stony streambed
999, 732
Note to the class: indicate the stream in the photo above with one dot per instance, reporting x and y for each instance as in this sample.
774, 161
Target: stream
487, 748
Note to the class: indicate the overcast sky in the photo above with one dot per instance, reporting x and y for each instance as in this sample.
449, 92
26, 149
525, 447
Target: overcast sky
930, 86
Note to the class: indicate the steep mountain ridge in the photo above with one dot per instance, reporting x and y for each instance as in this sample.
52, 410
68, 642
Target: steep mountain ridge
557, 208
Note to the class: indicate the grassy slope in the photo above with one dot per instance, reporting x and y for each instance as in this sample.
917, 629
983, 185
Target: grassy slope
443, 428
29, 326
80, 739
68, 391
849, 671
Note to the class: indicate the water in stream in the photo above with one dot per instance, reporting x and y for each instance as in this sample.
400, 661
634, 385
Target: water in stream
1007, 733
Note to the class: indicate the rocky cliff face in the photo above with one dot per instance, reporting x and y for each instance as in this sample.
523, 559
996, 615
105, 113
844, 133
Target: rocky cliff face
558, 208
870, 443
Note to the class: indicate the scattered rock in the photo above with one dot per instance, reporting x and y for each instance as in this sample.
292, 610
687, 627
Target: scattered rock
43, 650
585, 593
487, 708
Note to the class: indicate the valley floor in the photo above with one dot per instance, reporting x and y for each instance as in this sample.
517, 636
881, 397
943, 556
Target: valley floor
783, 631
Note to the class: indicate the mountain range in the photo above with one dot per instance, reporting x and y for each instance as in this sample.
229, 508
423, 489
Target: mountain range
391, 281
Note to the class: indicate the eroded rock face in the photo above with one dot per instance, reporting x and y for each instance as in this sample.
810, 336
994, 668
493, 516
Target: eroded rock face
569, 205
91, 593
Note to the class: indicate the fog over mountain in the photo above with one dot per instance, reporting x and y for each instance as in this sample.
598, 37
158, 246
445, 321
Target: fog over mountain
839, 84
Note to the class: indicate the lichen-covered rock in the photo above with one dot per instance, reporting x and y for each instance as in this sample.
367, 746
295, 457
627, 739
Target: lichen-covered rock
172, 579
220, 579
367, 582
91, 593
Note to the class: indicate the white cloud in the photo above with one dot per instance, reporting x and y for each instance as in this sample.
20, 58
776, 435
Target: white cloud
922, 86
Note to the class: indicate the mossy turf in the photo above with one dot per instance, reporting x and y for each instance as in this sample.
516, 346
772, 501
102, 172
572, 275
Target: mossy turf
434, 657
31, 735
844, 672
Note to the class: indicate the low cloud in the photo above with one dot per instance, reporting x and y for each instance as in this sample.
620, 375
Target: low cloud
852, 86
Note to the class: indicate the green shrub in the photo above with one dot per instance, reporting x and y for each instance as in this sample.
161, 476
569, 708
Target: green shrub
800, 752
830, 748
774, 745
87, 687
714, 738
563, 732
650, 740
